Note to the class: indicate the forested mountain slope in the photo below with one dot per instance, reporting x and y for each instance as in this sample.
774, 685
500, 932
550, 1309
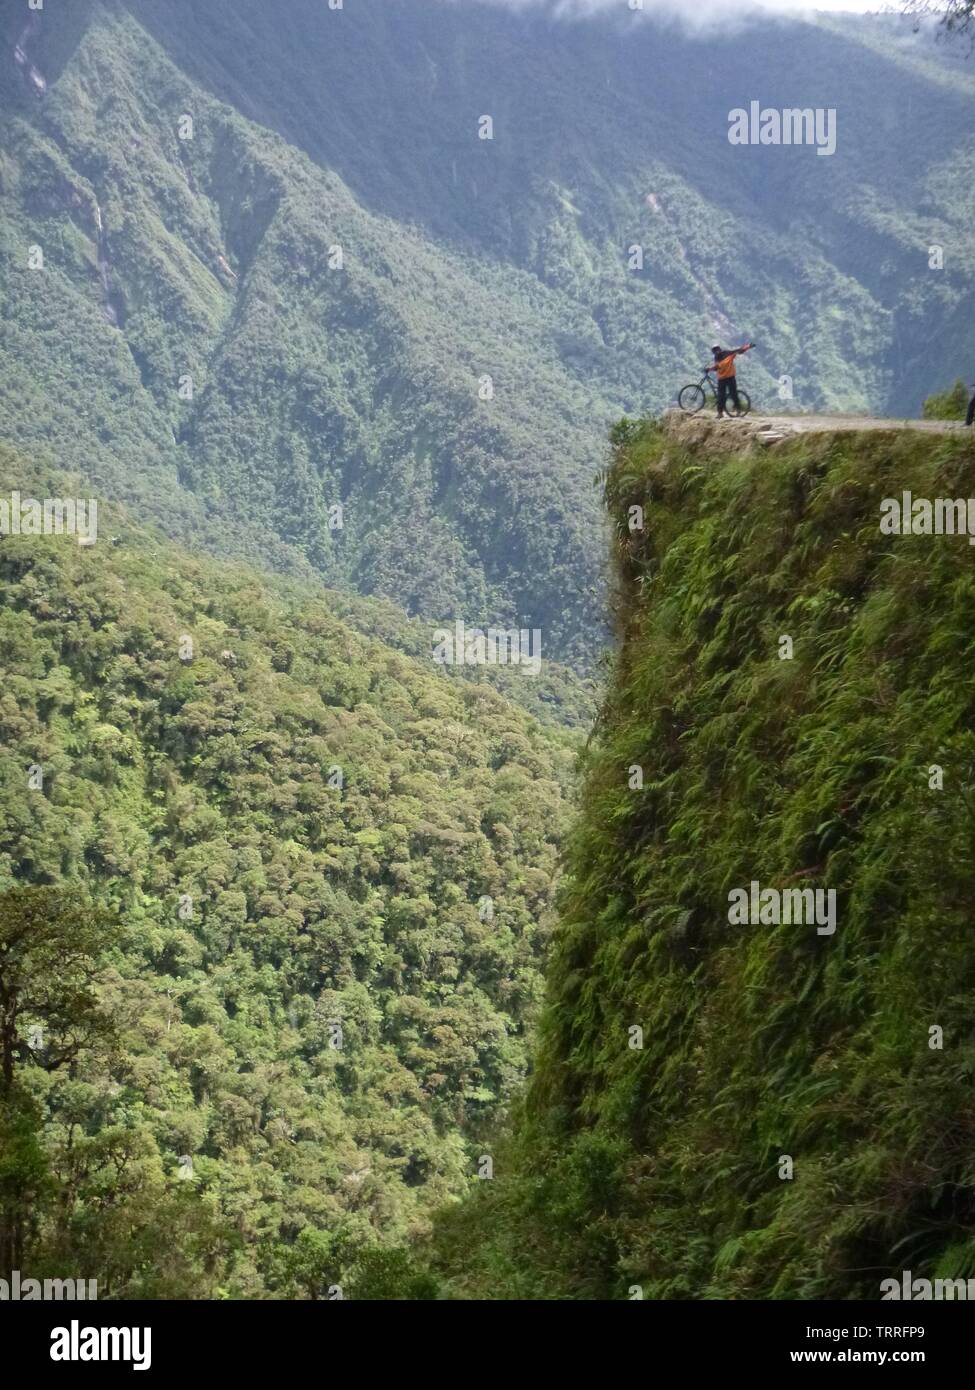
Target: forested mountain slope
328, 290
298, 829
727, 1108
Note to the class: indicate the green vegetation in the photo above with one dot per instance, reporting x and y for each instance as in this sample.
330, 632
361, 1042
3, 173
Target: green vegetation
948, 405
49, 1013
276, 892
320, 873
660, 1166
312, 385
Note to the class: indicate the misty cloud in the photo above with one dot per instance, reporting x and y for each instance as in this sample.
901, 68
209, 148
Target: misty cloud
704, 13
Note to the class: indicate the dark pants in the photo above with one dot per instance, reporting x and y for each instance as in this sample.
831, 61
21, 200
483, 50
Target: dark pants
970, 417
728, 387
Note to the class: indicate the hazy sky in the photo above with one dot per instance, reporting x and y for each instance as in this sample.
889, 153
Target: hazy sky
706, 18
798, 6
731, 7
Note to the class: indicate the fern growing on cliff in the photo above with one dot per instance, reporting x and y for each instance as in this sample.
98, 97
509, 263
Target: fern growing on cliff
793, 1118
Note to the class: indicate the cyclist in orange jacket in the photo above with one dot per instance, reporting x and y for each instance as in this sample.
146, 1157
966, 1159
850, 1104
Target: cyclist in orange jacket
724, 365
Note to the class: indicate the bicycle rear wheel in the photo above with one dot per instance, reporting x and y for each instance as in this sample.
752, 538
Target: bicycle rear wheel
744, 404
691, 399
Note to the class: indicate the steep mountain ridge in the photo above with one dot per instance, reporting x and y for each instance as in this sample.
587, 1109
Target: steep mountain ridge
449, 385
763, 1106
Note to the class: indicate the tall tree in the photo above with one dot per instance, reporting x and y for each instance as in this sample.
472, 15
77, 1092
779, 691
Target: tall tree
49, 1011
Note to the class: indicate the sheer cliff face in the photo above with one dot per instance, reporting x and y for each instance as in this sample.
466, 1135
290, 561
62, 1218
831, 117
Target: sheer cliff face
285, 267
753, 1074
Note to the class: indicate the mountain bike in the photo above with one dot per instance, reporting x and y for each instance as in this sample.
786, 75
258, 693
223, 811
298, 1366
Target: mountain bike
692, 398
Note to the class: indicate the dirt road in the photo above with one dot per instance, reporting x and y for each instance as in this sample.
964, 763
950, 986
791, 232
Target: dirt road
769, 429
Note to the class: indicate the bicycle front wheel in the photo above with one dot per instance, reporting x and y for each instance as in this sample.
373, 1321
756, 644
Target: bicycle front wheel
691, 399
